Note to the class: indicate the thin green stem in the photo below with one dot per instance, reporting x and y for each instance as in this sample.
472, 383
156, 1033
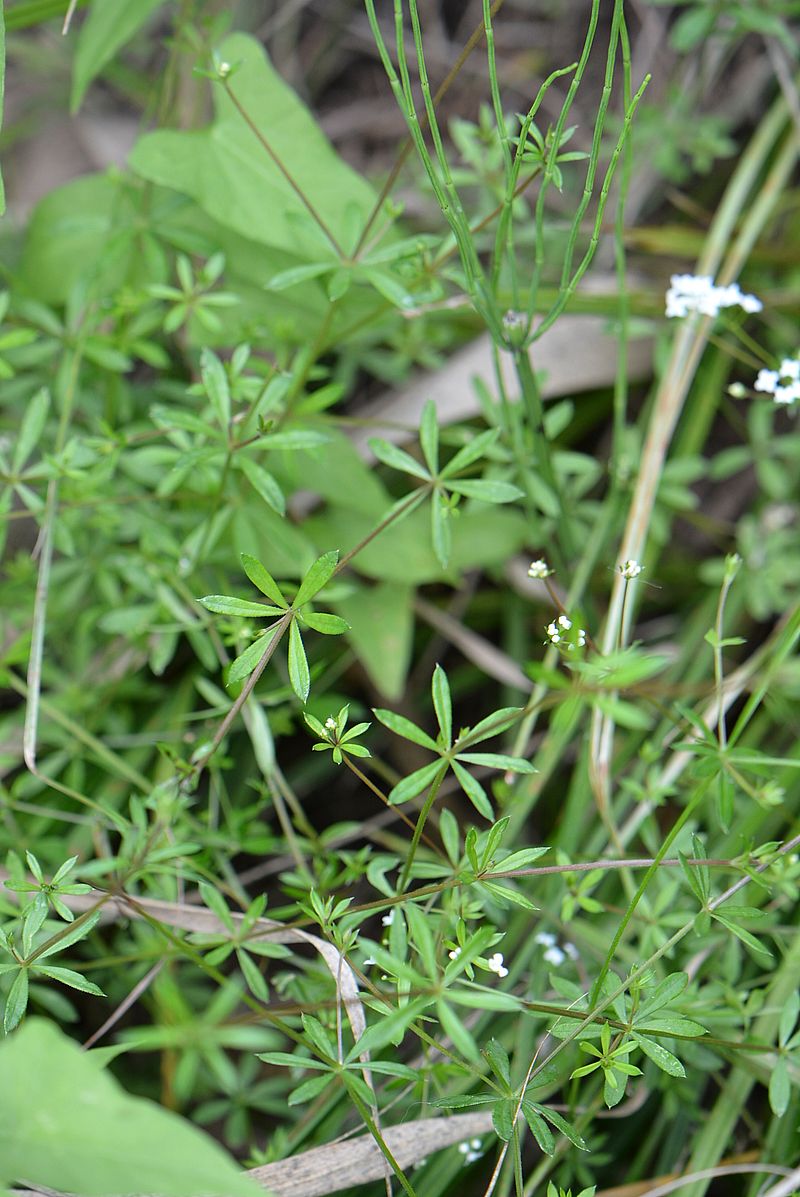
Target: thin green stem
421, 820
295, 186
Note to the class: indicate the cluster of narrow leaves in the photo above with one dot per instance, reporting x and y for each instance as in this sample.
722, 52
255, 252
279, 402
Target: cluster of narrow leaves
453, 753
443, 484
30, 952
283, 615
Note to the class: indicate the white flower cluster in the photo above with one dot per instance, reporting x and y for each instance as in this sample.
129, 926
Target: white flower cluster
630, 569
556, 629
539, 569
554, 954
496, 964
689, 293
471, 1149
784, 383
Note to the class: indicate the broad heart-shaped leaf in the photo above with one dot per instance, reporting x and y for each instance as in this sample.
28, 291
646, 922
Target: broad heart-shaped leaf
320, 573
234, 179
66, 1124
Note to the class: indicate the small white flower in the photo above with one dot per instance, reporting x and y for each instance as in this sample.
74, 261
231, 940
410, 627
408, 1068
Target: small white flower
330, 723
471, 1149
552, 632
496, 965
571, 951
564, 622
630, 569
454, 955
554, 956
388, 919
545, 938
783, 384
539, 569
689, 293
368, 962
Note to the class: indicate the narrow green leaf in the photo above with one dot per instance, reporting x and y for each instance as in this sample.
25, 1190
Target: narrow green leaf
560, 1123
298, 663
390, 1028
33, 423
405, 728
441, 532
263, 580
215, 383
492, 725
76, 932
474, 791
309, 1089
414, 784
486, 490
503, 1118
252, 975
328, 625
216, 903
442, 704
263, 484
456, 1032
68, 976
106, 29
226, 604
497, 760
747, 939
471, 452
497, 1056
429, 436
246, 662
660, 1056
780, 1088
17, 1001
398, 459
788, 1018
538, 1128
319, 574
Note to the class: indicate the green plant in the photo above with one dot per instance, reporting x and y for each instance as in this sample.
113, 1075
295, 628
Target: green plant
598, 913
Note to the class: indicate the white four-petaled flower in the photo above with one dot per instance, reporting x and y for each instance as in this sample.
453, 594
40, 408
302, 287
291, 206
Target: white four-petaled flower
630, 569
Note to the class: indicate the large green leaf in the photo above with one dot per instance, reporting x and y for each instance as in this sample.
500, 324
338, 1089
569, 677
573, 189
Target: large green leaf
66, 1124
381, 622
87, 228
109, 25
481, 537
234, 179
